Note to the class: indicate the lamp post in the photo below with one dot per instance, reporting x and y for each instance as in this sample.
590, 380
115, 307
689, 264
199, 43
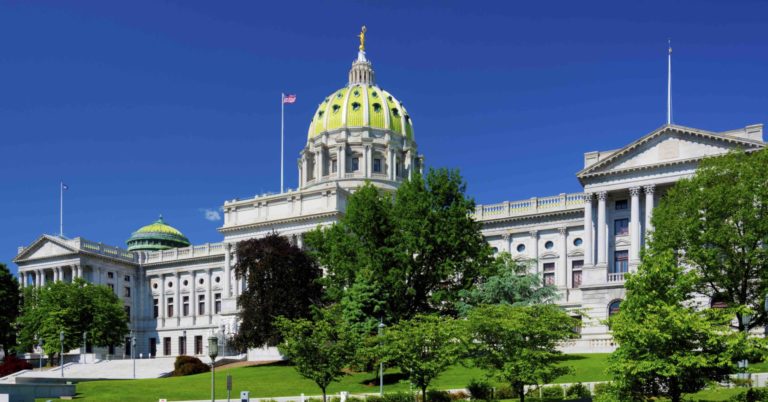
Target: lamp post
85, 338
213, 351
744, 363
40, 345
381, 362
133, 354
61, 355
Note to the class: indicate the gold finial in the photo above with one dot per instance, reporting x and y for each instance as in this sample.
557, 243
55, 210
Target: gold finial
362, 39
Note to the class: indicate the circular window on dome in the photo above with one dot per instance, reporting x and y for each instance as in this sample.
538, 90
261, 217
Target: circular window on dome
395, 112
389, 98
356, 93
377, 107
548, 245
218, 279
374, 94
320, 113
339, 95
577, 241
336, 108
201, 281
520, 248
186, 282
355, 106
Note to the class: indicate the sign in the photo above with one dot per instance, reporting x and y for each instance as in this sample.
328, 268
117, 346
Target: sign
245, 396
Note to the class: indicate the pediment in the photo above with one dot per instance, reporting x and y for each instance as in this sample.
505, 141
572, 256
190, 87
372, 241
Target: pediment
45, 247
668, 145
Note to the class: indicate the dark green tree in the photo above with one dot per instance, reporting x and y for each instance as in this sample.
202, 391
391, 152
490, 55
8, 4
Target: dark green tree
392, 256
9, 308
507, 281
518, 344
73, 308
717, 221
667, 345
282, 281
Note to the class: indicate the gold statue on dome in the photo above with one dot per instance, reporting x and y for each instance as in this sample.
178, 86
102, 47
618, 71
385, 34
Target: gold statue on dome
362, 39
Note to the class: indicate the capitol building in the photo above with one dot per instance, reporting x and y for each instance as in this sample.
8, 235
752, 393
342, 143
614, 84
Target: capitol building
177, 293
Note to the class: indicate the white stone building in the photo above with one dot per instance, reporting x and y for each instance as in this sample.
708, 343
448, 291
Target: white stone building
178, 294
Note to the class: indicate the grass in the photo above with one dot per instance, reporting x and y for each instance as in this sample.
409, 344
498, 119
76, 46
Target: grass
282, 380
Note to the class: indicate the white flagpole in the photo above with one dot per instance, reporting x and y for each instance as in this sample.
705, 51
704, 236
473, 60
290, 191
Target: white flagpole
669, 84
61, 209
282, 136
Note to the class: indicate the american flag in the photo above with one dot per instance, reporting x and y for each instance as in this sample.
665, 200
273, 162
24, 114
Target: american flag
289, 98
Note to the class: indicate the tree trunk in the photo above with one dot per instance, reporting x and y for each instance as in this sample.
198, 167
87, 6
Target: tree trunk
674, 390
424, 394
324, 400
521, 392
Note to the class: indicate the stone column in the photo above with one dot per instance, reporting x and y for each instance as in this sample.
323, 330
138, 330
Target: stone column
209, 300
535, 249
339, 156
634, 225
589, 245
303, 180
390, 167
367, 158
321, 162
38, 283
228, 269
394, 165
562, 271
649, 205
177, 297
99, 280
161, 316
193, 298
317, 166
57, 274
22, 276
602, 240
507, 242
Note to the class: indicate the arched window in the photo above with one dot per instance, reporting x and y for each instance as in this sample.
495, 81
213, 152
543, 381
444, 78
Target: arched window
613, 307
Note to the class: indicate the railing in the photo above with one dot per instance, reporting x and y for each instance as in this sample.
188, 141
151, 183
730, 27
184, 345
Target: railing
203, 250
530, 206
109, 251
616, 276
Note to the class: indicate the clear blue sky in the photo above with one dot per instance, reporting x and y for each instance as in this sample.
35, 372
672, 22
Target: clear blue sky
172, 107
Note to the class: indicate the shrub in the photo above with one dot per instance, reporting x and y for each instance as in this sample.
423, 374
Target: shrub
480, 390
398, 397
602, 388
577, 391
434, 395
374, 398
553, 391
459, 395
752, 395
12, 364
188, 365
505, 392
742, 382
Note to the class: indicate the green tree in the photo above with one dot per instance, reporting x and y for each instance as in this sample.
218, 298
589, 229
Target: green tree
282, 281
718, 221
391, 257
73, 308
9, 308
508, 281
518, 344
423, 348
667, 345
320, 349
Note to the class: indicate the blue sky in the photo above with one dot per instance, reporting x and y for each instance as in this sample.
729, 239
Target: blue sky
172, 107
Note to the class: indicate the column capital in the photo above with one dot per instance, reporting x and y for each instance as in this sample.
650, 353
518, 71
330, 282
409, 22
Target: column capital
649, 189
563, 230
588, 197
602, 195
634, 191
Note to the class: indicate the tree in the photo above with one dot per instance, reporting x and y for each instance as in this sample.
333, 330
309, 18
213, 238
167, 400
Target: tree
508, 281
392, 257
667, 345
282, 281
718, 223
9, 308
423, 348
518, 344
73, 308
320, 349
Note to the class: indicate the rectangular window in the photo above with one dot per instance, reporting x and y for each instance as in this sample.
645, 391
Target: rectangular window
200, 304
377, 165
576, 273
217, 303
112, 288
621, 227
182, 346
355, 164
621, 204
620, 262
185, 305
110, 275
549, 273
152, 347
127, 278
198, 344
127, 346
166, 346
155, 308
334, 165
127, 291
127, 312
170, 307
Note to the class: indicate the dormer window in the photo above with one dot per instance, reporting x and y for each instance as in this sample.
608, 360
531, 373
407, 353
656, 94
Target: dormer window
374, 94
377, 107
356, 93
339, 95
336, 108
395, 112
355, 106
320, 114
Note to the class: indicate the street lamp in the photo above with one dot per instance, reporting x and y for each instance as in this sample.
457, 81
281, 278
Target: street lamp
40, 345
381, 362
61, 355
213, 351
133, 354
85, 338
744, 363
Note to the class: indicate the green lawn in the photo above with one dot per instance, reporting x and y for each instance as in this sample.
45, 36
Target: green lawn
282, 380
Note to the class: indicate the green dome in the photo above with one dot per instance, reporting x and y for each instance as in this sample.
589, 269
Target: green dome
157, 236
361, 105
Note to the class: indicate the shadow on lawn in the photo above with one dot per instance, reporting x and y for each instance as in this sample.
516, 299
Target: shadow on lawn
389, 379
566, 357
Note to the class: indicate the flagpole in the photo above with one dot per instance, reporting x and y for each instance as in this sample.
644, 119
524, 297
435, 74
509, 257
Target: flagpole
282, 136
669, 83
61, 209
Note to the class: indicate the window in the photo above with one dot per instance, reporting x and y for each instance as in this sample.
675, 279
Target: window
336, 108
520, 248
377, 107
154, 285
395, 112
152, 347
355, 105
155, 308
127, 310
334, 165
621, 204
170, 307
578, 242
355, 164
201, 281
549, 273
198, 344
167, 346
111, 287
200, 304
576, 273
127, 278
620, 262
182, 346
127, 343
218, 278
613, 308
185, 283
377, 165
127, 291
170, 284
217, 303
111, 275
185, 306
621, 227
548, 245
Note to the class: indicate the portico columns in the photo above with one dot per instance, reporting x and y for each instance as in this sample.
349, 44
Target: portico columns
227, 269
649, 204
601, 229
21, 279
634, 225
562, 275
589, 246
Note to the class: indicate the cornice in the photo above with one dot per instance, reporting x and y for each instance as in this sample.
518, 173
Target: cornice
256, 225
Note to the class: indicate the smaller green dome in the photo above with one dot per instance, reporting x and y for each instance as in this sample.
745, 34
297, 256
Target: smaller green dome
157, 236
